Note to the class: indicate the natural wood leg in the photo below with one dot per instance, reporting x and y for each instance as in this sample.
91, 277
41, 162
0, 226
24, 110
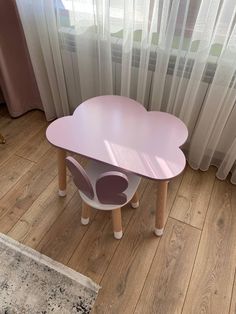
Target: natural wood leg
61, 171
85, 213
117, 224
160, 206
135, 200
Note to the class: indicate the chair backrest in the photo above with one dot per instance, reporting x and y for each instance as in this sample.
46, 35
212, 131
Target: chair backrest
109, 188
80, 177
109, 185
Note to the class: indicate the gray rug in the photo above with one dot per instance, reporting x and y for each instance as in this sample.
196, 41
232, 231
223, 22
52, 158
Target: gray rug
35, 284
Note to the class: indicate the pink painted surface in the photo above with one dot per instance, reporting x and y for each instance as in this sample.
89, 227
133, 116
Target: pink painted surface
110, 187
80, 177
119, 131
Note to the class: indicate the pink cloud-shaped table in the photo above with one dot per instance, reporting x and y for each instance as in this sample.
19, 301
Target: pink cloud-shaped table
119, 131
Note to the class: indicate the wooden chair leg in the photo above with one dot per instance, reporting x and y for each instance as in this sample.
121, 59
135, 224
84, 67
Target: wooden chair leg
117, 224
135, 200
61, 156
162, 187
85, 213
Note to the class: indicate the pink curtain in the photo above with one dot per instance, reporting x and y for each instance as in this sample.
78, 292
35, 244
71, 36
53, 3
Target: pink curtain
17, 80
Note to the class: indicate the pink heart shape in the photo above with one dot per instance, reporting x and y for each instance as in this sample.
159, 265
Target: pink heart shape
119, 131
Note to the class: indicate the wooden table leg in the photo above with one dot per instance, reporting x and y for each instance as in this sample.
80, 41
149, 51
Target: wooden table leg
160, 206
61, 155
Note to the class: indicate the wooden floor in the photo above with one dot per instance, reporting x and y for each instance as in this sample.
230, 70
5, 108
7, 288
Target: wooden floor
191, 269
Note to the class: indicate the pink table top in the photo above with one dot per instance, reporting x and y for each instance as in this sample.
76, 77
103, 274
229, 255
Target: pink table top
119, 131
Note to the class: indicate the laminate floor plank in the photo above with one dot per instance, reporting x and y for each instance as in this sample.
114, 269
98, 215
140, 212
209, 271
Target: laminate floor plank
18, 200
35, 147
212, 279
169, 275
124, 279
193, 197
233, 298
18, 131
37, 220
11, 171
95, 251
65, 234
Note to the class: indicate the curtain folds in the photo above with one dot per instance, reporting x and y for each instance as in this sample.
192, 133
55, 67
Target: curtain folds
177, 56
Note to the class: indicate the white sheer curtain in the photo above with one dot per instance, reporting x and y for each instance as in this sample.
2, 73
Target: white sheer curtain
177, 56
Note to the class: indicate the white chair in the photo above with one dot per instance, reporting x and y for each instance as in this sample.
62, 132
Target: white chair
104, 187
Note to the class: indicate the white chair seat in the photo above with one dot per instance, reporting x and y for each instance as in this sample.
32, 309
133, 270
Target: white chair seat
94, 169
